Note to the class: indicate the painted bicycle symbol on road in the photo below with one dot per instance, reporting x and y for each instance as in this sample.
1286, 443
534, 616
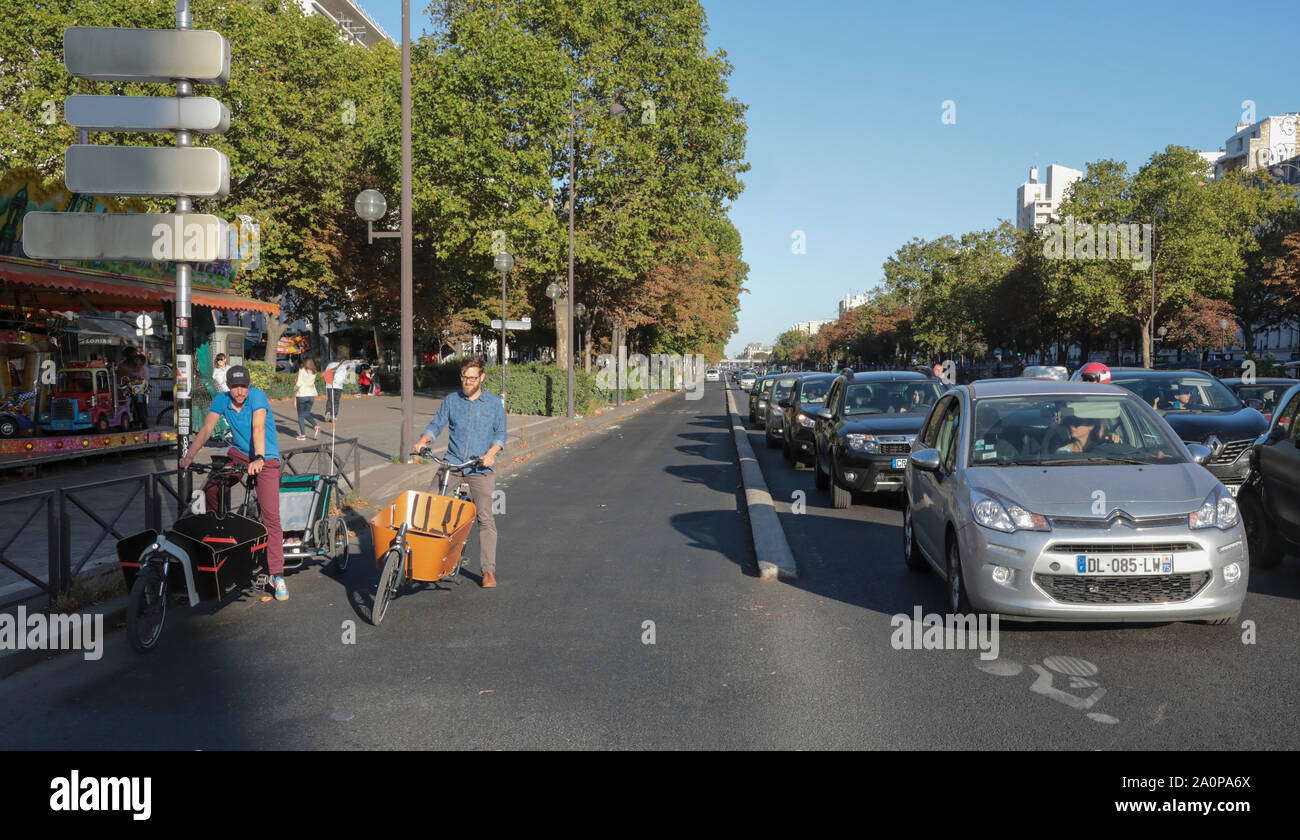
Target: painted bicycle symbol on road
1076, 673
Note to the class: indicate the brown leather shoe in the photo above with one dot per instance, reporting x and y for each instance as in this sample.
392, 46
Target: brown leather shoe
489, 580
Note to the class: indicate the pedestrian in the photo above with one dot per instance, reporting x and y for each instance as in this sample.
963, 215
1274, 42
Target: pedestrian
305, 391
334, 380
363, 379
248, 412
477, 422
219, 373
133, 379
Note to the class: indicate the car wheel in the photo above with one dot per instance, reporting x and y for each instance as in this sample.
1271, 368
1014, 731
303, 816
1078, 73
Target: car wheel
771, 444
1265, 552
101, 425
819, 478
8, 428
841, 497
958, 600
911, 551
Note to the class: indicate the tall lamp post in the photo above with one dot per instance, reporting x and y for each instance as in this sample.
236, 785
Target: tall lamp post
503, 261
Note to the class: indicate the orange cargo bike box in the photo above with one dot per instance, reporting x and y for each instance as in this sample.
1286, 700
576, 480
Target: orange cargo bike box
437, 528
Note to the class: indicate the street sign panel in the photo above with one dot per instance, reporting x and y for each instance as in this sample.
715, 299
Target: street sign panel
200, 114
513, 325
194, 237
109, 54
147, 170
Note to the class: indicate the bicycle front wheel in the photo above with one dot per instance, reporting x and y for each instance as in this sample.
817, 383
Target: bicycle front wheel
389, 579
146, 609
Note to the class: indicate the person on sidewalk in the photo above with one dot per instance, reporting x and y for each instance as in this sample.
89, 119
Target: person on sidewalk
219, 371
248, 412
477, 420
305, 391
337, 374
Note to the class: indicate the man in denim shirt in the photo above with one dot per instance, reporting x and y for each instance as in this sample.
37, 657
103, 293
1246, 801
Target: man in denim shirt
478, 429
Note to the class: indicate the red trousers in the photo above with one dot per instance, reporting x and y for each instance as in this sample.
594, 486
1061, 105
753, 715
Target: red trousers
268, 501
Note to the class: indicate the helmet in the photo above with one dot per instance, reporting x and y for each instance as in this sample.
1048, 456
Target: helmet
1095, 372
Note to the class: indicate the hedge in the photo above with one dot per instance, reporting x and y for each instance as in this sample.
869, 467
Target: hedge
281, 385
531, 388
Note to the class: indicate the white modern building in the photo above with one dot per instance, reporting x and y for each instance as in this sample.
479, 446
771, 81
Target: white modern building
852, 301
755, 347
1036, 202
354, 23
1267, 144
811, 328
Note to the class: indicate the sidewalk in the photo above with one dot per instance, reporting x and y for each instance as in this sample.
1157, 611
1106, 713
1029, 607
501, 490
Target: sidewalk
374, 421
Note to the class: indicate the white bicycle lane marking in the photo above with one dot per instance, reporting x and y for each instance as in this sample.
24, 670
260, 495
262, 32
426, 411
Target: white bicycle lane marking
1078, 671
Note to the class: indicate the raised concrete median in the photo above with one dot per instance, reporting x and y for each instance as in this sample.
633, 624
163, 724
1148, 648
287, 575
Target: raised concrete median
775, 560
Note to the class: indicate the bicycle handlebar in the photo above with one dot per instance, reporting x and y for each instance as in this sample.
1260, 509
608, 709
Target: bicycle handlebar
426, 452
229, 469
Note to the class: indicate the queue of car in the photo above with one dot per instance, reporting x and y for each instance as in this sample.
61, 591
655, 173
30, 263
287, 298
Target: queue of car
1051, 499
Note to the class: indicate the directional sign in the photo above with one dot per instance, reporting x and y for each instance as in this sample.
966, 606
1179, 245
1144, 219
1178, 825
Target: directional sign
193, 237
108, 54
147, 170
513, 325
200, 114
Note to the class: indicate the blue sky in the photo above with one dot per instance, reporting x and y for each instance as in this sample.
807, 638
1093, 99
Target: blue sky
847, 144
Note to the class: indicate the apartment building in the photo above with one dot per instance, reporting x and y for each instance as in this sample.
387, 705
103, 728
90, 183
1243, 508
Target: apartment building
1037, 202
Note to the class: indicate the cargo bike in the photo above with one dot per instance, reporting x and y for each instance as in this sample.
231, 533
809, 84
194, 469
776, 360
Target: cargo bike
201, 557
419, 536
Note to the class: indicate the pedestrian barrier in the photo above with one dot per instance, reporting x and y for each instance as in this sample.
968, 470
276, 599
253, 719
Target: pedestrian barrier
80, 509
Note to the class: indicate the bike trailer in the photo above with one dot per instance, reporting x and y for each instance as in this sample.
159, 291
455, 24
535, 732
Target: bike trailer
304, 501
437, 529
215, 553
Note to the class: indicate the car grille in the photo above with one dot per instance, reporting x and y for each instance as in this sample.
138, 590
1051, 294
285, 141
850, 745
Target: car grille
1122, 589
63, 409
895, 448
1104, 523
1123, 548
1229, 452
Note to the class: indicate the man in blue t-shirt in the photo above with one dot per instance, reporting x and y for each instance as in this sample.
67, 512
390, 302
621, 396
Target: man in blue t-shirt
248, 412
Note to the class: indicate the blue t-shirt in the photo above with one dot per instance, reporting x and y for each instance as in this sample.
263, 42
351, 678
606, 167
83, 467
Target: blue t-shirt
241, 421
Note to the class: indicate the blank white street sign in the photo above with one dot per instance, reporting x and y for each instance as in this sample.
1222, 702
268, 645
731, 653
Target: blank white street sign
201, 114
513, 325
147, 170
108, 54
192, 237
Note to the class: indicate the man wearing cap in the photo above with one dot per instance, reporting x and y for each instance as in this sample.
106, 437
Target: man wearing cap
248, 412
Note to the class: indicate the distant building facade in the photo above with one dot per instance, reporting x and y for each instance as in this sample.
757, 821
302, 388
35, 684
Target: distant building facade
1037, 202
811, 328
852, 301
354, 23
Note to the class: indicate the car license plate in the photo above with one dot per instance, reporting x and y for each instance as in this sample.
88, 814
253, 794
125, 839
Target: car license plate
1144, 564
1233, 488
900, 463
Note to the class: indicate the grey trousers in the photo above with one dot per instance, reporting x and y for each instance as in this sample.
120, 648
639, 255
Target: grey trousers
480, 493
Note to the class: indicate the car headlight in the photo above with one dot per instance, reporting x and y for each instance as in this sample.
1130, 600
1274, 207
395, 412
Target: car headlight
806, 421
1005, 516
862, 443
762, 403
1219, 510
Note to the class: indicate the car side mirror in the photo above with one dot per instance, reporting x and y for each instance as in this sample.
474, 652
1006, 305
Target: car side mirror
783, 403
1258, 405
825, 414
926, 459
1200, 454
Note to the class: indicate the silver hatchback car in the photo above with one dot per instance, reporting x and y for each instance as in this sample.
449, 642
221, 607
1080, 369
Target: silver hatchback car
1070, 501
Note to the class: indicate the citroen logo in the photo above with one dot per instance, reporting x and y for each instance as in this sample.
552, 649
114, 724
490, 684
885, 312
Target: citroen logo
1120, 517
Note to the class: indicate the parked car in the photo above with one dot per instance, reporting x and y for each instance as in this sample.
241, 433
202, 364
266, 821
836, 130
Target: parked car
864, 431
797, 423
773, 421
758, 398
1121, 523
1270, 496
1265, 392
1209, 413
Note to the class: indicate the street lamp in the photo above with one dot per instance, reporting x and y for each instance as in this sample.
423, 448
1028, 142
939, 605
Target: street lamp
578, 311
503, 261
1224, 324
556, 292
615, 110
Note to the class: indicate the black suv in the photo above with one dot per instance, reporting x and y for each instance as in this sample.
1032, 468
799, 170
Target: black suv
1200, 409
758, 399
1270, 498
774, 421
797, 416
1262, 393
864, 431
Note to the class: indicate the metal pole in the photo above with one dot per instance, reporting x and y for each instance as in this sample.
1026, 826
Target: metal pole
407, 298
503, 339
568, 318
183, 334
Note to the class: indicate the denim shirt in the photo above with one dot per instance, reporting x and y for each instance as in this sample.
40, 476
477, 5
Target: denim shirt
476, 425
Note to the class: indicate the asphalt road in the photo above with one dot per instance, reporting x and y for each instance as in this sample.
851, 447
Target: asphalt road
644, 522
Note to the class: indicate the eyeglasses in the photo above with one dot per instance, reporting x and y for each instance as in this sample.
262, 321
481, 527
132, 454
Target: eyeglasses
471, 378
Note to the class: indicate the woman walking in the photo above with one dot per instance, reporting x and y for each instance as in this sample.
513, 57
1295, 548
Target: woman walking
219, 373
306, 394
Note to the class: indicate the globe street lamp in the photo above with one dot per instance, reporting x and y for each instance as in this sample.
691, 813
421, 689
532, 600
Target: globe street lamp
503, 261
578, 311
555, 292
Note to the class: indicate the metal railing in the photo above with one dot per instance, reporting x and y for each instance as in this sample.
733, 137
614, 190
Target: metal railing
124, 516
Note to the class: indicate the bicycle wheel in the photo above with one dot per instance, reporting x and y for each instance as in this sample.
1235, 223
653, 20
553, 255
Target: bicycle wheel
339, 549
146, 609
389, 579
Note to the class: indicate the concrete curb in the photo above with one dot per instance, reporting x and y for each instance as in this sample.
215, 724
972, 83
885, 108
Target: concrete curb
775, 560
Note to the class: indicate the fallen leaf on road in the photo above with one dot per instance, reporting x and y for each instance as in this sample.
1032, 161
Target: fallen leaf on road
486, 691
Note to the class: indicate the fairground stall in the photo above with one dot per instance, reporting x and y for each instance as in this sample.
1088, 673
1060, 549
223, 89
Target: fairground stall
69, 332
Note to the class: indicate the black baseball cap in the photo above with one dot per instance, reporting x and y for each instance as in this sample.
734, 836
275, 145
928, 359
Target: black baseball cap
237, 375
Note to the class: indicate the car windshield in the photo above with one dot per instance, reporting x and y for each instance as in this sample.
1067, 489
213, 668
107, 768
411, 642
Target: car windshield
815, 392
1071, 430
76, 382
782, 389
1180, 392
1267, 394
890, 398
